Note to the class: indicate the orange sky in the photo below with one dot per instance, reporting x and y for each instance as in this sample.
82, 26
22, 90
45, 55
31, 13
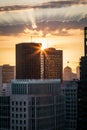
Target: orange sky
72, 46
54, 23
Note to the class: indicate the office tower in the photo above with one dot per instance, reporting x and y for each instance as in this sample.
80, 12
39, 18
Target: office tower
32, 63
36, 105
85, 40
69, 89
4, 113
28, 61
82, 89
53, 63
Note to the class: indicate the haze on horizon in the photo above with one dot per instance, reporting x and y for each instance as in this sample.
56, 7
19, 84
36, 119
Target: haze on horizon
54, 23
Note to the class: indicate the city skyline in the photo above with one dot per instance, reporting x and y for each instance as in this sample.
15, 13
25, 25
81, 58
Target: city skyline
54, 23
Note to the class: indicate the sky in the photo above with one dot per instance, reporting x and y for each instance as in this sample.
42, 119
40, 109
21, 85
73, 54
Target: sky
54, 23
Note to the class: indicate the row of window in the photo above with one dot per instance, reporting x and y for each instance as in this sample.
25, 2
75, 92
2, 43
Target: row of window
18, 128
19, 109
19, 122
18, 115
18, 103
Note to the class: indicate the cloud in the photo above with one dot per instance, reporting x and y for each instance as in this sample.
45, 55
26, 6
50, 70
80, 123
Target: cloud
44, 28
45, 17
49, 4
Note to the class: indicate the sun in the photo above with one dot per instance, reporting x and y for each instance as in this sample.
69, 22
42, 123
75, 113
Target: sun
44, 46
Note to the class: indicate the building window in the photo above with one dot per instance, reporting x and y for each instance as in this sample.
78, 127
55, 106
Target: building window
20, 103
24, 128
24, 103
20, 115
24, 115
12, 115
12, 109
12, 127
12, 121
16, 103
16, 121
12, 103
17, 109
16, 115
20, 122
16, 127
20, 109
24, 121
24, 109
20, 127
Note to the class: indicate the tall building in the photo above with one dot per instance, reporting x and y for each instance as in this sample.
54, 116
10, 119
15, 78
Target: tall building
37, 105
82, 89
28, 61
4, 113
85, 40
32, 63
53, 63
69, 89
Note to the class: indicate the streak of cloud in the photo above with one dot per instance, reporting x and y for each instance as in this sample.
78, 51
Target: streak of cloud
49, 4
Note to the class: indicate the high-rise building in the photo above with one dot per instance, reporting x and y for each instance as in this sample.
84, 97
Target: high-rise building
32, 63
82, 90
85, 40
53, 63
28, 61
69, 89
36, 105
4, 112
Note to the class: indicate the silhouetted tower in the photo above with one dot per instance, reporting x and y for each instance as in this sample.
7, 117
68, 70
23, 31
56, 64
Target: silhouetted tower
28, 61
82, 89
85, 40
33, 63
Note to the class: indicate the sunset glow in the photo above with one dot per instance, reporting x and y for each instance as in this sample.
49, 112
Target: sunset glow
52, 23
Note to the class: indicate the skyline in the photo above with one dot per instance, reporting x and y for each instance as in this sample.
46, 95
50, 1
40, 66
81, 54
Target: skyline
54, 23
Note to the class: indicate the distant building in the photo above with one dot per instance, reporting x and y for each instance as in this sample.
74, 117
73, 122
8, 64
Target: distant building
7, 73
67, 76
37, 105
69, 89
